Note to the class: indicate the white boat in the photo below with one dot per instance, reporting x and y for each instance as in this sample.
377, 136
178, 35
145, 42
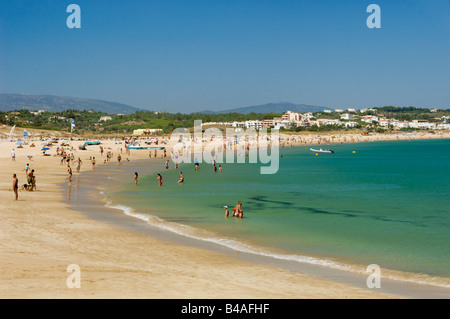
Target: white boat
321, 151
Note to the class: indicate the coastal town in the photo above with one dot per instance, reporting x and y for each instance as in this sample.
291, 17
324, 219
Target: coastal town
378, 119
350, 118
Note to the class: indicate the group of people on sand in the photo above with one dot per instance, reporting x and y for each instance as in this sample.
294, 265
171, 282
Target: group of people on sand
29, 186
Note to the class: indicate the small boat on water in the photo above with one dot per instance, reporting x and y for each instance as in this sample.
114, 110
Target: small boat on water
321, 151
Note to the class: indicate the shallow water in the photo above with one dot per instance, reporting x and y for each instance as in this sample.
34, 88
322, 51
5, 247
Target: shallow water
385, 204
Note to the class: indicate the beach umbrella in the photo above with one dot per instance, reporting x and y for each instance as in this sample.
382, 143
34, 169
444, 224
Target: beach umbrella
19, 143
45, 149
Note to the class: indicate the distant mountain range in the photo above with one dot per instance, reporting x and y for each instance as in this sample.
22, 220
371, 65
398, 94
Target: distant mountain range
51, 103
280, 107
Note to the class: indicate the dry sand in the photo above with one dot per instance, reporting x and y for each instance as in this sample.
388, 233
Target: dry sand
40, 237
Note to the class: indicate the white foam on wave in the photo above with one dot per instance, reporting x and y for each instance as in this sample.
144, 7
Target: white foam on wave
207, 236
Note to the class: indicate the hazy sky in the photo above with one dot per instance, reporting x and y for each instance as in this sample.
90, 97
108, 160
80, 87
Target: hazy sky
184, 56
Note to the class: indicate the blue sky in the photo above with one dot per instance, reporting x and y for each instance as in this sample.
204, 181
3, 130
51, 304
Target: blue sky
185, 56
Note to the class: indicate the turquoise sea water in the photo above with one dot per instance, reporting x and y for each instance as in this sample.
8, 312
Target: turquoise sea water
387, 204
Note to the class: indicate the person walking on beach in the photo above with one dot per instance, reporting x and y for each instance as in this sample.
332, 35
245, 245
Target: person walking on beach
16, 186
13, 155
119, 158
135, 178
93, 162
69, 170
78, 164
32, 180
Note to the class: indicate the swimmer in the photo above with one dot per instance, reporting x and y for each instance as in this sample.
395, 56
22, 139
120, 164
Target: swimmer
160, 181
181, 178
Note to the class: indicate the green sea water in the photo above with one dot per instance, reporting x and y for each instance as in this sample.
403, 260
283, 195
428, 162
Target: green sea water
384, 203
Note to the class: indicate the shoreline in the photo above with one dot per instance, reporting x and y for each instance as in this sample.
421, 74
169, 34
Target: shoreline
400, 283
38, 243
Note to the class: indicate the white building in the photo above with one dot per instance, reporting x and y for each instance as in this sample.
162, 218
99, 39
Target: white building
254, 124
402, 124
347, 116
279, 123
421, 124
320, 122
369, 119
105, 118
291, 116
351, 124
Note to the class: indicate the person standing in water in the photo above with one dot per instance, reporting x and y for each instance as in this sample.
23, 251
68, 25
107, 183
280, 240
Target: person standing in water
78, 164
69, 170
181, 178
196, 164
160, 181
135, 178
237, 210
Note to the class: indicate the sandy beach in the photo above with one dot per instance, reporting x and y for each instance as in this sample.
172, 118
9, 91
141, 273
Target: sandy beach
41, 236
